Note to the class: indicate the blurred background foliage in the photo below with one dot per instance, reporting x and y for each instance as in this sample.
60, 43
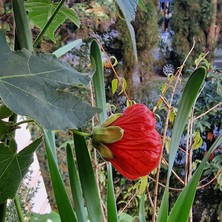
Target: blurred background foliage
103, 19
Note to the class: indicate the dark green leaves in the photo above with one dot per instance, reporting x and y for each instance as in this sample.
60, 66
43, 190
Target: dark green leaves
36, 85
13, 167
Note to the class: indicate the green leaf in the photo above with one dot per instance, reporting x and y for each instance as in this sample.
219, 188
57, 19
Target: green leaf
14, 166
142, 5
128, 8
5, 111
35, 85
181, 209
114, 85
187, 100
66, 211
99, 87
125, 218
53, 216
41, 10
63, 50
98, 80
75, 186
87, 178
197, 141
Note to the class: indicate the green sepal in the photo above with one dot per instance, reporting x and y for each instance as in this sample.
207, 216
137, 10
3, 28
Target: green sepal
108, 134
104, 151
111, 119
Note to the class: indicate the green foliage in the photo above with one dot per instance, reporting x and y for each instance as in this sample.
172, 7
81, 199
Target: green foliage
15, 164
190, 21
210, 97
37, 85
41, 10
188, 98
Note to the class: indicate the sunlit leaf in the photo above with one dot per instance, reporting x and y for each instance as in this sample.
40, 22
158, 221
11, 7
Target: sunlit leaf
143, 185
197, 141
114, 85
41, 10
35, 85
124, 85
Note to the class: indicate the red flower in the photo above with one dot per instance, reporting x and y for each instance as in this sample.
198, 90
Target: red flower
138, 151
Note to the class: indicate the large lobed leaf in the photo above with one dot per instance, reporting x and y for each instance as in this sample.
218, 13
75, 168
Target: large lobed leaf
13, 167
35, 85
41, 10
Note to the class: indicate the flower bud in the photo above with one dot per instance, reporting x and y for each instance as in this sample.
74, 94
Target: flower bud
104, 151
108, 134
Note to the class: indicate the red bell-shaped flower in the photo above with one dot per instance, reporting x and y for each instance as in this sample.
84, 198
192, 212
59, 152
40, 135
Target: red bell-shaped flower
138, 150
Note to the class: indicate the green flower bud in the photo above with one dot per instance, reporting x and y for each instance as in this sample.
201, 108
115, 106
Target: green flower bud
108, 134
104, 151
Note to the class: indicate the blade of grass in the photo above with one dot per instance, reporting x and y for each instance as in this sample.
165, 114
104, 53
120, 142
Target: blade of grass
62, 200
87, 179
181, 209
75, 186
187, 100
99, 87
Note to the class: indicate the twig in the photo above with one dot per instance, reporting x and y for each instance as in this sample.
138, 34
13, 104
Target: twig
127, 204
209, 110
175, 174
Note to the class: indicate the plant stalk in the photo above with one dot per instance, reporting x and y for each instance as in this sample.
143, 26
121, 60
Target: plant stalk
22, 30
19, 209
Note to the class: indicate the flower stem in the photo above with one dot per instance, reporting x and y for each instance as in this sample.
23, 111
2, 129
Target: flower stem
81, 133
19, 209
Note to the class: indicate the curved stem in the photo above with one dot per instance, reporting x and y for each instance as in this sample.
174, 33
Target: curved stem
19, 209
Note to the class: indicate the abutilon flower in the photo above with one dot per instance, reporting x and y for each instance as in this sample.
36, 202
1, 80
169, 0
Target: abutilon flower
130, 141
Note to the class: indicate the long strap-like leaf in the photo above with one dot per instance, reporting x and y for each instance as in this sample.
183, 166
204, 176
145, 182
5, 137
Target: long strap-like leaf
62, 200
75, 186
87, 178
187, 100
99, 87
